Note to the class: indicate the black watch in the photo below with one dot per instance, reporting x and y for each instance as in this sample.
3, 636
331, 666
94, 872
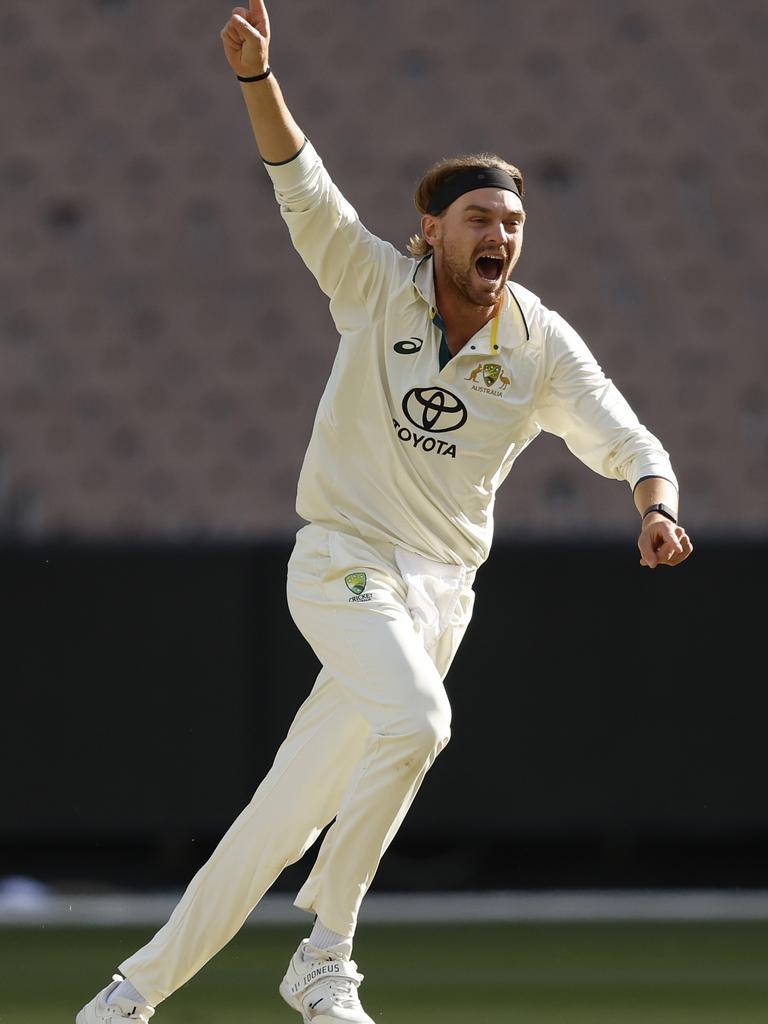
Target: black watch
665, 510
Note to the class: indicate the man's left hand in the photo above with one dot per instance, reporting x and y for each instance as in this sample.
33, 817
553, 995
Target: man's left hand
662, 542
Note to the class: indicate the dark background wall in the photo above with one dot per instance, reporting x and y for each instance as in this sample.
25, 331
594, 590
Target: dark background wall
608, 720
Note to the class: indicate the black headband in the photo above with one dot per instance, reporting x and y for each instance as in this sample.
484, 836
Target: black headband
468, 180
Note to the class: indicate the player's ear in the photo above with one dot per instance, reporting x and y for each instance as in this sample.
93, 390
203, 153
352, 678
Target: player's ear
431, 228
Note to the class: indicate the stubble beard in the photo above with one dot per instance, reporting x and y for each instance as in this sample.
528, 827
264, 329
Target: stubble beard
459, 275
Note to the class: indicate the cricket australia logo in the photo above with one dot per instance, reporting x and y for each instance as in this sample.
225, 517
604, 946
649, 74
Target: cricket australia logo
495, 380
357, 582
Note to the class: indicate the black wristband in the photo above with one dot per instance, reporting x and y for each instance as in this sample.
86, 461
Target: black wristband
256, 78
663, 509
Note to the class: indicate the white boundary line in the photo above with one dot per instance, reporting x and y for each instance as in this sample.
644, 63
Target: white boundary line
413, 908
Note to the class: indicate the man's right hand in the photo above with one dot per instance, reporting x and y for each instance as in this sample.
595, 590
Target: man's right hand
246, 40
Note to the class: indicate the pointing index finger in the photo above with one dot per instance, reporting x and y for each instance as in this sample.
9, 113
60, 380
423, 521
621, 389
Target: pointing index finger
259, 13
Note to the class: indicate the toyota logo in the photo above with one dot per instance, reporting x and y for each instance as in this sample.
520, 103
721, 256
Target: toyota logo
426, 407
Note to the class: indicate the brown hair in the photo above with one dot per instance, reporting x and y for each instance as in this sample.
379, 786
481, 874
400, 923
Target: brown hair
418, 246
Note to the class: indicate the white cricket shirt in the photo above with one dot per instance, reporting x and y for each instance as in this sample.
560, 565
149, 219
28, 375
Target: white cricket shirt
412, 455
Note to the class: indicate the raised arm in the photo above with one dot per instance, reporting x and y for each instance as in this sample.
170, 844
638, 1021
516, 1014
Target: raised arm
355, 269
246, 39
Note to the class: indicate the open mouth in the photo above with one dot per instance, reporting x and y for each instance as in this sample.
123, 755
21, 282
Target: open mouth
489, 267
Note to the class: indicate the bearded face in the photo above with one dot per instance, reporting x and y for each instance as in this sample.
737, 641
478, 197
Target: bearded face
477, 243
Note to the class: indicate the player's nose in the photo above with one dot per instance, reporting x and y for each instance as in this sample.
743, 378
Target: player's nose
496, 233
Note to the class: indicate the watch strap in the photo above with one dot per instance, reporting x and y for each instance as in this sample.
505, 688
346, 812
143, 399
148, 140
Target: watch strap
663, 509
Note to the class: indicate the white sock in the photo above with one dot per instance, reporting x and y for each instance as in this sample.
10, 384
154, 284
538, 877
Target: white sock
125, 990
324, 938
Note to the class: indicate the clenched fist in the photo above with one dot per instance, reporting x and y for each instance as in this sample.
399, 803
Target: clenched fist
246, 40
663, 543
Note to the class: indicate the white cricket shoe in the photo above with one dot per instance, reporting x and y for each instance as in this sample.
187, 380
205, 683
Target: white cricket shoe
99, 1011
322, 985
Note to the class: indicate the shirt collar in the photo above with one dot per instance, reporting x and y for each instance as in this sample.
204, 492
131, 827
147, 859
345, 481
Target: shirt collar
513, 327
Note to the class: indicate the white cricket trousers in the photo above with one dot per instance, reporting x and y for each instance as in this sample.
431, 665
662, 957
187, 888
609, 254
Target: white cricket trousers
385, 625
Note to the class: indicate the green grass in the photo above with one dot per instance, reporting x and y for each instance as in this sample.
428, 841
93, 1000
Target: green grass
478, 974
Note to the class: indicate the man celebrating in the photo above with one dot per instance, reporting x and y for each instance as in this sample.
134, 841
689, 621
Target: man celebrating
446, 371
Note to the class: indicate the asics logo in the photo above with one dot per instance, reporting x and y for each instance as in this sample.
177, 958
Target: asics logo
408, 347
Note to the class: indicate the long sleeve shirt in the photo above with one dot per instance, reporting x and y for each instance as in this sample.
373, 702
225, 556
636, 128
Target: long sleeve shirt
409, 449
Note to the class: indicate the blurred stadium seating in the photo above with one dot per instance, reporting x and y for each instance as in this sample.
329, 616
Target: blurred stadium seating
162, 347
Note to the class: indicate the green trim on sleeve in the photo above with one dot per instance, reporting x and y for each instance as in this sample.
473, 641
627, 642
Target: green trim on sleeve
282, 163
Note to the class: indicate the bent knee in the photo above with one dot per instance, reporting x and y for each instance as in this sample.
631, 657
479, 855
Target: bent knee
430, 729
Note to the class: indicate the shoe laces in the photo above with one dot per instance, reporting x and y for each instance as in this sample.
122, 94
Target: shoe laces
344, 990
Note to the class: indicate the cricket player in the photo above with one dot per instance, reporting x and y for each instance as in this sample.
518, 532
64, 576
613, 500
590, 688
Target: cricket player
446, 370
